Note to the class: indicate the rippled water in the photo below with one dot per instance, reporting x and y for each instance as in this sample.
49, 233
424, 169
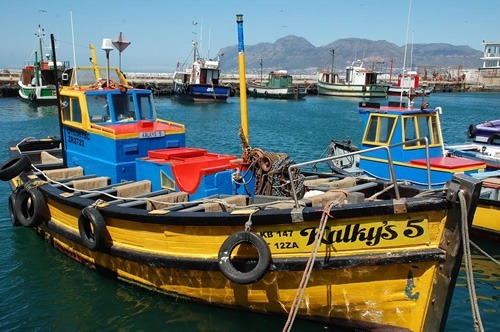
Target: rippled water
42, 290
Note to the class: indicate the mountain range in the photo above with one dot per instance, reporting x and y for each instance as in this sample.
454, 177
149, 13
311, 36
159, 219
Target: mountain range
299, 56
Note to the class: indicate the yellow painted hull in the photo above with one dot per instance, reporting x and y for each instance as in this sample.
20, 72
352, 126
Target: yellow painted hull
487, 217
362, 284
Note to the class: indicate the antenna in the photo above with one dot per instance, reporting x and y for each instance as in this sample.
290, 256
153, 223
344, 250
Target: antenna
74, 52
406, 47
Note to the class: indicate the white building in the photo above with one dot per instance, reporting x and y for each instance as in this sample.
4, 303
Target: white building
489, 73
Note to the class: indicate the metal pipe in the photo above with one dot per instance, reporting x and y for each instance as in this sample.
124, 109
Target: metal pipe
59, 104
243, 87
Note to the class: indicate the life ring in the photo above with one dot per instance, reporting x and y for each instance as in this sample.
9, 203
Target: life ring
32, 96
91, 227
12, 203
14, 166
472, 131
492, 138
30, 207
226, 265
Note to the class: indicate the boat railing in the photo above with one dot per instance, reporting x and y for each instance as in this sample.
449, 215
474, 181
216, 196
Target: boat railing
102, 128
330, 158
424, 140
389, 162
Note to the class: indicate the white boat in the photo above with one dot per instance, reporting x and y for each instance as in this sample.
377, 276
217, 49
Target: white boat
37, 83
409, 84
201, 81
359, 82
487, 153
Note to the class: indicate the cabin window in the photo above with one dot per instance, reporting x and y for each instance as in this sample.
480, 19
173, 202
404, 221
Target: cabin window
379, 130
143, 102
71, 110
436, 137
421, 126
203, 76
410, 130
123, 106
98, 108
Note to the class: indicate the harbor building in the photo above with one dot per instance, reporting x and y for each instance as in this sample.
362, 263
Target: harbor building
489, 73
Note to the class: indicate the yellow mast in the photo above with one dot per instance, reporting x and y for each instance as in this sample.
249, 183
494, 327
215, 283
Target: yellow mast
97, 73
243, 88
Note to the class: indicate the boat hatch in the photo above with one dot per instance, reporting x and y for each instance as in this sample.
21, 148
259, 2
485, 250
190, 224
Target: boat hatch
195, 171
449, 163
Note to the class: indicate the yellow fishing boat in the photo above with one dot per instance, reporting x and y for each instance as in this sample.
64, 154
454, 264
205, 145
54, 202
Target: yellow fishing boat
120, 192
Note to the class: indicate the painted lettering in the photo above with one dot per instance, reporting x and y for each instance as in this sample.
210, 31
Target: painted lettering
266, 234
412, 229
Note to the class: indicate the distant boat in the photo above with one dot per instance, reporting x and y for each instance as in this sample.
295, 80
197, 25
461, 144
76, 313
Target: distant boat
486, 145
359, 82
37, 84
409, 84
486, 132
201, 81
279, 86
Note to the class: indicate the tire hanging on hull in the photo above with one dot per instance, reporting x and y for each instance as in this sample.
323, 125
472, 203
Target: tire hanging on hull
256, 272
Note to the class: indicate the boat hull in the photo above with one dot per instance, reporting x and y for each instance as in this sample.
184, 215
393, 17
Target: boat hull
361, 284
487, 218
38, 94
380, 264
276, 93
206, 93
489, 154
345, 90
487, 132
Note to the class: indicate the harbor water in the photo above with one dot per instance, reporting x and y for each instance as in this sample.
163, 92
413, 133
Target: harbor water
43, 290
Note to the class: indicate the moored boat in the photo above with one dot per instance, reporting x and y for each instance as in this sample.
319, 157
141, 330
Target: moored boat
200, 82
487, 217
486, 132
278, 86
37, 83
486, 153
411, 140
409, 85
124, 195
359, 82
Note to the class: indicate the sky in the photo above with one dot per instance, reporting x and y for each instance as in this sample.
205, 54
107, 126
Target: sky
161, 32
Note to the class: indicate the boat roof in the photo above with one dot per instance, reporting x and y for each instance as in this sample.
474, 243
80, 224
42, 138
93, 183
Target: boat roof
397, 108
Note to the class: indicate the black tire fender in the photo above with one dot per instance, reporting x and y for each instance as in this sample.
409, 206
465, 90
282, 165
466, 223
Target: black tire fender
91, 226
32, 97
472, 131
493, 138
30, 207
14, 166
226, 265
12, 203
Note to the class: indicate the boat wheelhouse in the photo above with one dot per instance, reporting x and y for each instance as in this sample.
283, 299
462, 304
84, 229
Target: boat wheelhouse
416, 145
278, 86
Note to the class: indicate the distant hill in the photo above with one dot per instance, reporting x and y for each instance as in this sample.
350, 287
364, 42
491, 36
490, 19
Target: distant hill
299, 56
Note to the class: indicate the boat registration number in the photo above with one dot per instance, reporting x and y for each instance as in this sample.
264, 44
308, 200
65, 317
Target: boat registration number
152, 134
